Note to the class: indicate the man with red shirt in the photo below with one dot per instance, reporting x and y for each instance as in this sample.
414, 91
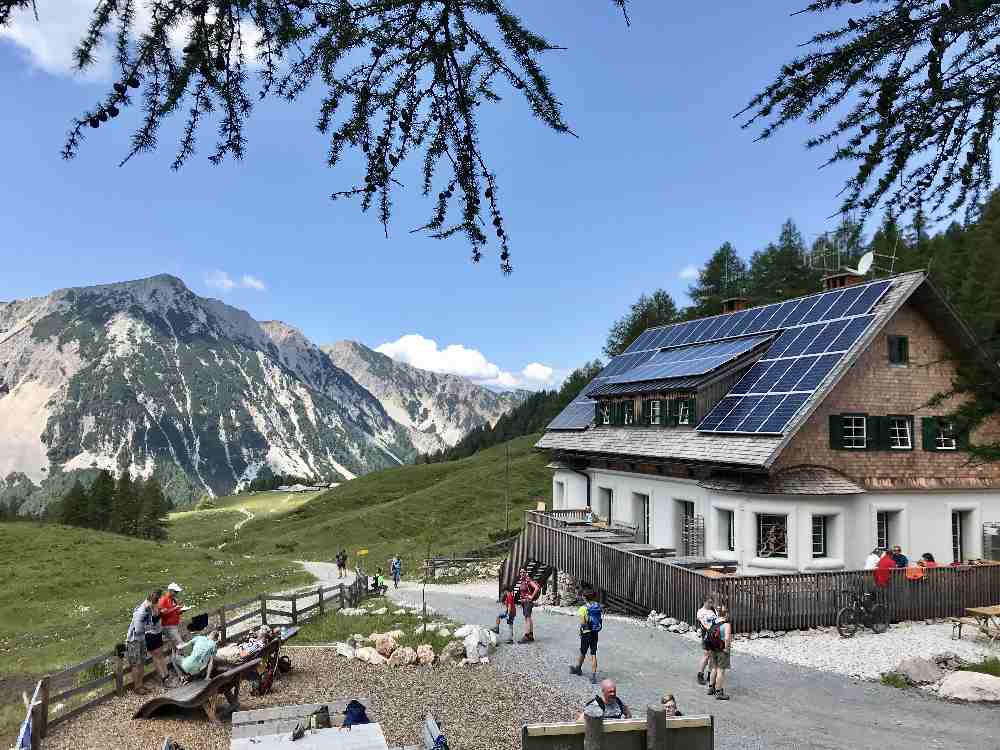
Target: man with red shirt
170, 615
528, 591
883, 571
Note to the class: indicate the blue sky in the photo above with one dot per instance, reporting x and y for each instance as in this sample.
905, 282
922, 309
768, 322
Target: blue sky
660, 176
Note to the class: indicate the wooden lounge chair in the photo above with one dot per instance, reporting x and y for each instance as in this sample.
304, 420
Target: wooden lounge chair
201, 693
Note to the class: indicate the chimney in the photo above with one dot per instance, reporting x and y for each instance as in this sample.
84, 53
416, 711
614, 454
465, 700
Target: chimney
847, 277
735, 304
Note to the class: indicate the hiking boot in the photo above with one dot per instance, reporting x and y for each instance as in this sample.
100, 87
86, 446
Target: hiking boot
720, 695
701, 679
526, 638
711, 690
593, 679
577, 671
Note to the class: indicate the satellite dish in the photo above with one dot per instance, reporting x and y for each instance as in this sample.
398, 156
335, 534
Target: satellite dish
865, 264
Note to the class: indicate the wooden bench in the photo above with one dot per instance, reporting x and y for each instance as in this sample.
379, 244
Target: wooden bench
201, 693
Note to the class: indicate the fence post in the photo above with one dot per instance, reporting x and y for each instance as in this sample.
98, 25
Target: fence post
119, 674
222, 623
263, 609
43, 714
343, 596
656, 728
319, 598
295, 610
36, 721
593, 732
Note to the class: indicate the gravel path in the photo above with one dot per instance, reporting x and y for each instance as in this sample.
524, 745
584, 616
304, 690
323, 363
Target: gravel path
775, 705
481, 707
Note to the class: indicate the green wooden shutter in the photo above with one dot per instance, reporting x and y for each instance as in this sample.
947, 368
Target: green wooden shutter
836, 432
674, 409
882, 436
929, 433
962, 439
664, 412
597, 413
692, 412
871, 433
645, 412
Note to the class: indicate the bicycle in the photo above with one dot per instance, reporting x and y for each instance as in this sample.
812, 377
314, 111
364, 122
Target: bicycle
863, 610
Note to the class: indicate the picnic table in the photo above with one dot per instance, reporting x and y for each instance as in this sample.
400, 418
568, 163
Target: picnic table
987, 620
268, 728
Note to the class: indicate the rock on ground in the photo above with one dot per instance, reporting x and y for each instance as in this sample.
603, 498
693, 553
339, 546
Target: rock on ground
918, 671
403, 656
425, 654
344, 649
970, 686
453, 653
385, 644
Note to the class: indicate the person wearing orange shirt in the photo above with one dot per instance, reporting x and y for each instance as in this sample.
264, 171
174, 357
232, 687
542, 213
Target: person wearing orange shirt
170, 615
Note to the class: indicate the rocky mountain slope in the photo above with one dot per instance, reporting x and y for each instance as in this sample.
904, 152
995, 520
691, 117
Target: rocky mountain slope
439, 410
147, 376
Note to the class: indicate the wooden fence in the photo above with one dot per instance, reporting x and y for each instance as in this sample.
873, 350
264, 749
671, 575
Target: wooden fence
104, 676
768, 602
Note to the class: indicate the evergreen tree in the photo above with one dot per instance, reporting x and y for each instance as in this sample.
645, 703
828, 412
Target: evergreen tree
74, 506
781, 271
648, 311
153, 510
125, 511
725, 275
100, 502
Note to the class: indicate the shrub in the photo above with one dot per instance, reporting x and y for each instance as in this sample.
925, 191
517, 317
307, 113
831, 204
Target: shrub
894, 679
206, 503
990, 665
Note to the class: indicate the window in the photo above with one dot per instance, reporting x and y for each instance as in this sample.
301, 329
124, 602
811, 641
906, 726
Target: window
956, 535
654, 411
855, 435
629, 412
819, 536
772, 535
900, 433
726, 529
887, 530
945, 439
605, 413
899, 350
683, 411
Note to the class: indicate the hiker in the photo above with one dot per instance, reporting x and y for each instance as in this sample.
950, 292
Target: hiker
135, 642
883, 572
508, 612
527, 591
380, 587
705, 616
871, 562
606, 704
590, 628
927, 561
170, 615
154, 637
899, 558
395, 570
234, 653
670, 705
720, 641
339, 559
202, 656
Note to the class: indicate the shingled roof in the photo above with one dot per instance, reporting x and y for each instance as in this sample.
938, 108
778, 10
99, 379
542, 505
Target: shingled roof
570, 432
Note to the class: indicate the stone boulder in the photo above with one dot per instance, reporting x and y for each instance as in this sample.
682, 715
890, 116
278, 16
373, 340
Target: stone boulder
668, 622
403, 656
918, 671
453, 653
385, 645
356, 640
380, 611
471, 643
974, 687
464, 631
681, 627
376, 659
364, 653
425, 654
344, 649
397, 634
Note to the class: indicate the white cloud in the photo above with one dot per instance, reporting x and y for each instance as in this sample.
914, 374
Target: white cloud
224, 282
689, 273
49, 42
457, 359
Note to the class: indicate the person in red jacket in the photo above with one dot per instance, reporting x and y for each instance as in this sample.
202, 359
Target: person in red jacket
883, 571
170, 615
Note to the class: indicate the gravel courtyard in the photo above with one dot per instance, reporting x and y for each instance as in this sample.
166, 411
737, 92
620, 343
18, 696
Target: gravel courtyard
481, 707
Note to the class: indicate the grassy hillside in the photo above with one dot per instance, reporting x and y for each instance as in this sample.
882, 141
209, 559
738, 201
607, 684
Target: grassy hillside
67, 593
210, 528
457, 503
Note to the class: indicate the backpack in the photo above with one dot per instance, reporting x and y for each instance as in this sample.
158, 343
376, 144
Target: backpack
713, 637
594, 615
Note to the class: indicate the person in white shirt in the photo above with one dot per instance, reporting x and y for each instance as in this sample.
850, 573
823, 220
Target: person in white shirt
871, 562
706, 616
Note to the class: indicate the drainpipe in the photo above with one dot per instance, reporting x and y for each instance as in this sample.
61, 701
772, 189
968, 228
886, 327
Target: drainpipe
586, 476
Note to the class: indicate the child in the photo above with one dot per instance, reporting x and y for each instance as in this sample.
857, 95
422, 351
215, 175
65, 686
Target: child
509, 612
706, 616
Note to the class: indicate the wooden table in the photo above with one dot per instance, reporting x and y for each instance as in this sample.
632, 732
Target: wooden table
988, 619
360, 737
282, 718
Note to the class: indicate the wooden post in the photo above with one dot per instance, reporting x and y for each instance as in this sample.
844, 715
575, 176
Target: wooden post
263, 609
222, 623
119, 675
343, 596
593, 732
36, 721
656, 728
319, 598
295, 610
42, 727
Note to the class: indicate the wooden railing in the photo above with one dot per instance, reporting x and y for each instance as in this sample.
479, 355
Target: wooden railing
767, 602
94, 677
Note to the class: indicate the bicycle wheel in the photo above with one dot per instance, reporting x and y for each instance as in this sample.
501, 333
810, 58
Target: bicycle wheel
847, 622
879, 619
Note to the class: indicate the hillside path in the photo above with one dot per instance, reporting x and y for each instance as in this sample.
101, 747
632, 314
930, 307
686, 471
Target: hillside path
774, 705
326, 573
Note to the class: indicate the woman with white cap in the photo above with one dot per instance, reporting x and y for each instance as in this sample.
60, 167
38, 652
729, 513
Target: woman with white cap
170, 615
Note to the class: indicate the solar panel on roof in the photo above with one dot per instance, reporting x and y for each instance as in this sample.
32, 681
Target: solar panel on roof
793, 374
818, 371
784, 413
850, 334
720, 412
753, 374
823, 304
760, 413
778, 319
799, 312
685, 361
804, 339
740, 412
577, 415
767, 380
841, 306
762, 322
822, 342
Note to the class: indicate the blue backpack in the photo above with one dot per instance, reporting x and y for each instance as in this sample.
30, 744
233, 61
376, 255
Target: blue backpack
594, 615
